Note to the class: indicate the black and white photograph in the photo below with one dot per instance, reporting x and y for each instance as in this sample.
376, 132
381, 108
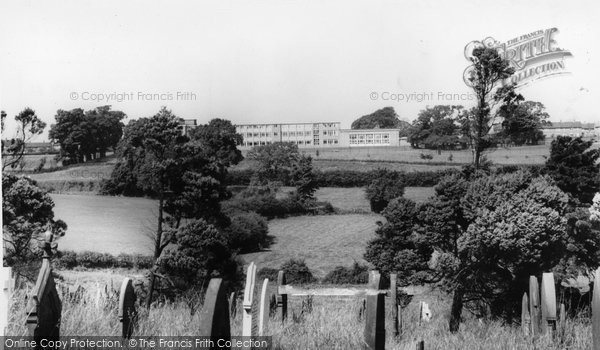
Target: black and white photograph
300, 174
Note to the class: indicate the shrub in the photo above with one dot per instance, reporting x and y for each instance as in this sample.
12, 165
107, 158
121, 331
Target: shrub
296, 272
247, 232
94, 260
357, 274
387, 186
268, 272
426, 156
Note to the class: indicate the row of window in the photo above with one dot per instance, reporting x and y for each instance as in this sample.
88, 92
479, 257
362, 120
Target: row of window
370, 139
290, 134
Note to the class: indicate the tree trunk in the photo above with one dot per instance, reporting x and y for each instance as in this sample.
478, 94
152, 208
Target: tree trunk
157, 244
456, 309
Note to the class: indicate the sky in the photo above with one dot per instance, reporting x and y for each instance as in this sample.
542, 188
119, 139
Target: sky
278, 61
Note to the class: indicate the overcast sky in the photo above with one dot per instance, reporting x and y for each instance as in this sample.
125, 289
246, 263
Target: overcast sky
277, 61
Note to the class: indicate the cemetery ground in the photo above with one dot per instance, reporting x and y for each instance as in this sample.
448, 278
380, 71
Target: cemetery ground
332, 323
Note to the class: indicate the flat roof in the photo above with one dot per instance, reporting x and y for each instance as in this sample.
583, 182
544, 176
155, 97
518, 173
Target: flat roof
287, 123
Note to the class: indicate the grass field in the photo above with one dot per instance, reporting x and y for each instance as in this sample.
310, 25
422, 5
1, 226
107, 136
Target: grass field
322, 241
333, 323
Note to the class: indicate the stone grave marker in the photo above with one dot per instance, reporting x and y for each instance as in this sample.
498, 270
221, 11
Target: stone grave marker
525, 319
127, 311
548, 303
534, 305
394, 303
596, 311
281, 298
263, 315
375, 315
249, 326
214, 316
44, 307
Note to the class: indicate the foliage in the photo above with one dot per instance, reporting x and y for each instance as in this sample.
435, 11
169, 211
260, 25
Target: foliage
200, 252
386, 186
489, 70
595, 209
385, 118
522, 122
574, 167
81, 135
262, 200
296, 272
274, 161
303, 178
248, 232
94, 260
13, 149
27, 212
357, 274
437, 128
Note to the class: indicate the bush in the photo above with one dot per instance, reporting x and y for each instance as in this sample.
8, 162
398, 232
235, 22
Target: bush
296, 272
357, 274
268, 272
94, 260
387, 186
248, 232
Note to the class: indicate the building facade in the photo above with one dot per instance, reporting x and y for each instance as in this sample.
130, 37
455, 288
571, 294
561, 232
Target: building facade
305, 135
574, 129
369, 137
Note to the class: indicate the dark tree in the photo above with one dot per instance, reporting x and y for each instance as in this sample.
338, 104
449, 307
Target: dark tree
523, 122
385, 186
304, 178
385, 118
274, 161
575, 168
437, 127
489, 71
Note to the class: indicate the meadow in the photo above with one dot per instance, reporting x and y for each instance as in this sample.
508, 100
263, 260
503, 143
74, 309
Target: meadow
333, 323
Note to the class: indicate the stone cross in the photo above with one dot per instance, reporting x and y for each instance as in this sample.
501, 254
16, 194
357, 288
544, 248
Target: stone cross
596, 311
263, 315
548, 303
127, 312
281, 298
249, 326
375, 315
214, 316
534, 305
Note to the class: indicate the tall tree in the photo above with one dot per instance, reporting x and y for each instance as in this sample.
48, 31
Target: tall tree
385, 118
522, 122
436, 127
29, 125
487, 76
274, 161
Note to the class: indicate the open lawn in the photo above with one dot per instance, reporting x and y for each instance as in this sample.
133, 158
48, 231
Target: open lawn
322, 241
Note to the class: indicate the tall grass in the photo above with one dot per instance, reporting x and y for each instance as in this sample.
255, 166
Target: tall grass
333, 323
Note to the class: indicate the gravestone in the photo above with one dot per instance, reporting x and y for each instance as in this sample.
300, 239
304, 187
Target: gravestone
394, 303
249, 326
232, 305
375, 315
7, 281
548, 303
44, 307
596, 311
281, 298
127, 312
534, 305
525, 319
562, 323
263, 315
214, 316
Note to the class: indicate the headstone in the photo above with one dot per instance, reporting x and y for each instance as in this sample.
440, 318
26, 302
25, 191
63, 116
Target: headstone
534, 305
249, 326
281, 298
596, 311
263, 315
548, 303
232, 305
7, 282
375, 315
425, 312
44, 308
562, 323
127, 312
525, 319
214, 317
394, 303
